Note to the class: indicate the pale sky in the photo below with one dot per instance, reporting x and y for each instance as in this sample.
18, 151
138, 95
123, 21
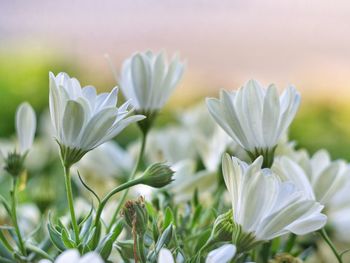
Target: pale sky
303, 42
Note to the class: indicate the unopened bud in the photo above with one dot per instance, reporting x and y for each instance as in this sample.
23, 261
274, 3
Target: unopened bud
14, 163
136, 215
146, 124
157, 175
223, 227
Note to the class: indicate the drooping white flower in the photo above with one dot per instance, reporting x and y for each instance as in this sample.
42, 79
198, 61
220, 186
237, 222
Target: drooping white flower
264, 207
73, 256
148, 79
25, 126
82, 119
318, 176
255, 117
222, 254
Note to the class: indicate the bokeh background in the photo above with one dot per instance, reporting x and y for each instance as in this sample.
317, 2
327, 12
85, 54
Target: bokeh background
225, 43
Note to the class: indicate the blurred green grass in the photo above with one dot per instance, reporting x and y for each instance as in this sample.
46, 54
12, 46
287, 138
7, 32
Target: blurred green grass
24, 77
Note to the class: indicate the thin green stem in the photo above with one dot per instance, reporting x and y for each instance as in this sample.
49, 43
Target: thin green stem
140, 248
132, 176
324, 235
5, 242
14, 217
122, 187
67, 178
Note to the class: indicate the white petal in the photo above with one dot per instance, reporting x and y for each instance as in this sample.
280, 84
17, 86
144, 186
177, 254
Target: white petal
97, 128
222, 254
271, 113
68, 256
121, 125
91, 257
25, 126
165, 256
73, 121
141, 77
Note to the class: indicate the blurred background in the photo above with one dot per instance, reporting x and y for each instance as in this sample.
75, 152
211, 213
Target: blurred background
225, 43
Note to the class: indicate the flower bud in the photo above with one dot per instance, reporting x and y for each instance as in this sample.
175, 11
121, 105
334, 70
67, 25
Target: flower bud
146, 124
70, 155
157, 175
14, 163
285, 258
223, 227
136, 215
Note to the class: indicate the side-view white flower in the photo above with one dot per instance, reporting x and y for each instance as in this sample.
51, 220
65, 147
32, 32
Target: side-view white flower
148, 79
82, 119
318, 176
264, 207
25, 126
255, 117
73, 256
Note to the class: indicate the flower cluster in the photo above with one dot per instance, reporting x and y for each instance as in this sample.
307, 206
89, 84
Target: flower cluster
230, 188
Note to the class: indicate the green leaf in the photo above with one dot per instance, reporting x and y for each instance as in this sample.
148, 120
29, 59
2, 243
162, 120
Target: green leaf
105, 246
202, 239
55, 238
155, 230
196, 216
6, 205
164, 239
88, 188
168, 218
67, 241
150, 210
126, 249
85, 227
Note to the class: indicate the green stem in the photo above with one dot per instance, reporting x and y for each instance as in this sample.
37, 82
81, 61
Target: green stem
324, 235
122, 187
132, 176
290, 243
140, 248
69, 191
14, 217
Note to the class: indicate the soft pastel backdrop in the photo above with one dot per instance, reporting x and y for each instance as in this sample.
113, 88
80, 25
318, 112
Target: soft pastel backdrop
225, 43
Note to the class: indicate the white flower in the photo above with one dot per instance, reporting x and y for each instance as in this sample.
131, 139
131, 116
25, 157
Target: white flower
318, 176
107, 160
148, 79
208, 138
222, 254
82, 119
171, 144
73, 256
255, 117
25, 126
187, 180
263, 206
